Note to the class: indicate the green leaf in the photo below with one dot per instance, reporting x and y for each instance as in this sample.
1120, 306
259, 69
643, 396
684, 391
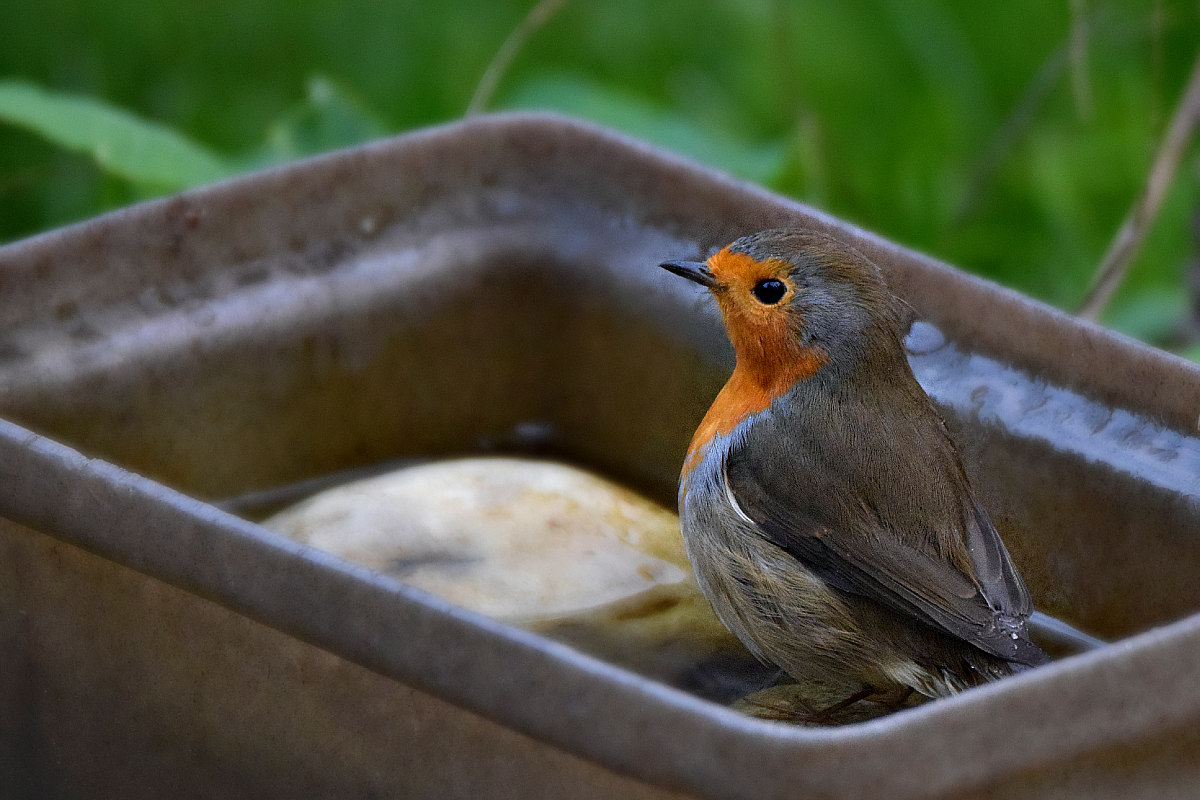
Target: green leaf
328, 118
1151, 314
122, 144
1191, 353
758, 162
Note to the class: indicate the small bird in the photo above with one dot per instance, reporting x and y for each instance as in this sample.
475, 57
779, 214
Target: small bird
824, 505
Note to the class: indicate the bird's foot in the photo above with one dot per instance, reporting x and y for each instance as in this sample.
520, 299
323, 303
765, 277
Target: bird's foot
826, 716
817, 706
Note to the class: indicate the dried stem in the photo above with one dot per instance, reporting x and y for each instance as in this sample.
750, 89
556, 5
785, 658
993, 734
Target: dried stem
1133, 230
1009, 133
538, 16
1081, 84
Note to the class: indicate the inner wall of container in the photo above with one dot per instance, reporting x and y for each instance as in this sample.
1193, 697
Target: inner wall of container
474, 343
514, 336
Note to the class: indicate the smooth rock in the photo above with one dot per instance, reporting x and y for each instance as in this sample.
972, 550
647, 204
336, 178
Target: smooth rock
538, 544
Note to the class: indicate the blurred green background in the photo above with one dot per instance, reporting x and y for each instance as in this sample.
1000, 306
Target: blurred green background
1007, 138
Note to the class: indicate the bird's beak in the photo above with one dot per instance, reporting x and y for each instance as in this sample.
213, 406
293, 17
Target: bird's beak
692, 270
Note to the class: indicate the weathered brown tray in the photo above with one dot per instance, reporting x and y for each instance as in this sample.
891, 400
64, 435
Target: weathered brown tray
491, 285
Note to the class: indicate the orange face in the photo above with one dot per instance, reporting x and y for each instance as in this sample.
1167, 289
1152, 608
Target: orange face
755, 298
755, 301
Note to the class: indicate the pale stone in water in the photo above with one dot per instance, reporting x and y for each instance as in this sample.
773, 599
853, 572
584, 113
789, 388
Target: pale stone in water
537, 544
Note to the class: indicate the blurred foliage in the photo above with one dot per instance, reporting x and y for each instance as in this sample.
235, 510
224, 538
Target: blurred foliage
972, 132
141, 152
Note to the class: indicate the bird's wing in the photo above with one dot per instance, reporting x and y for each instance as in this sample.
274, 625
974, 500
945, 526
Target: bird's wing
805, 506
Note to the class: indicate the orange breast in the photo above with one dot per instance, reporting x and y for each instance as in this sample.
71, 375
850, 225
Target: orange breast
751, 388
771, 356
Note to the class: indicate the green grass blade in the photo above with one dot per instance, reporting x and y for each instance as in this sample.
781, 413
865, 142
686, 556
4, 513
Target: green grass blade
122, 144
754, 161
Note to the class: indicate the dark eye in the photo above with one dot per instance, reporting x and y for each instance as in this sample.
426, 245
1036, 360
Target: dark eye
769, 291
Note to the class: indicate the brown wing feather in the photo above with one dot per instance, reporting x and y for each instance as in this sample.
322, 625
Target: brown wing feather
917, 542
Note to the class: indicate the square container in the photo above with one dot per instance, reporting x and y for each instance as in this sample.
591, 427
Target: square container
444, 293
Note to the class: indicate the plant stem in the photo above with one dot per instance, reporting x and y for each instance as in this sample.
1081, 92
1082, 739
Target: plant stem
1133, 230
538, 16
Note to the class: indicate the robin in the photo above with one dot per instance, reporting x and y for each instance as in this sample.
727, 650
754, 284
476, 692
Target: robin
824, 506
